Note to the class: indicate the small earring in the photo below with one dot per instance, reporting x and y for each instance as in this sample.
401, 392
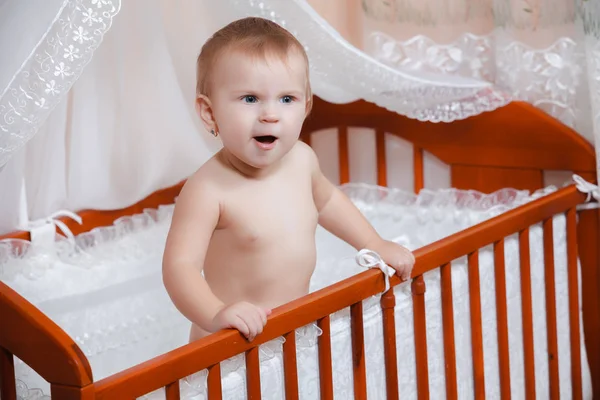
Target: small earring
212, 132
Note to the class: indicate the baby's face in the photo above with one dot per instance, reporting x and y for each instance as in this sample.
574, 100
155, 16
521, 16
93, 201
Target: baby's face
259, 105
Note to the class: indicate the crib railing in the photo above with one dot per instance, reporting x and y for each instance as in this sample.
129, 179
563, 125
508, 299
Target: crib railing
166, 370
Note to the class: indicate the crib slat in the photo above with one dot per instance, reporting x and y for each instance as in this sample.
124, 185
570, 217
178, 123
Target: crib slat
574, 303
343, 154
527, 307
325, 372
172, 391
388, 302
8, 390
418, 295
214, 383
551, 308
253, 374
502, 319
418, 168
476, 331
290, 368
448, 326
381, 161
358, 351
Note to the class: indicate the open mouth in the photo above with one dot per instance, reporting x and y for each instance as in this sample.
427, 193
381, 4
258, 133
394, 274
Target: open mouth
266, 139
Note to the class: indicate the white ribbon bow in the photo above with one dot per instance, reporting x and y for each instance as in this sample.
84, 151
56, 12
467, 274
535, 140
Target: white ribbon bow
369, 259
44, 229
593, 191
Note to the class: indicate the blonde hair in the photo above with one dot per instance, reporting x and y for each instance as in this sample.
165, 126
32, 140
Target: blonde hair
254, 36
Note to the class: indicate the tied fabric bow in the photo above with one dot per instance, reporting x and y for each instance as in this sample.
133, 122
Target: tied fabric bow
592, 191
44, 229
369, 259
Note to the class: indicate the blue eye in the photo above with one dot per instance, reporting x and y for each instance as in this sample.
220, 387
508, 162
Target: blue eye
249, 99
287, 99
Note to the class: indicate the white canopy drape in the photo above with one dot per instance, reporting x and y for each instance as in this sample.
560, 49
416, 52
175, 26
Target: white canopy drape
546, 52
127, 126
59, 41
78, 28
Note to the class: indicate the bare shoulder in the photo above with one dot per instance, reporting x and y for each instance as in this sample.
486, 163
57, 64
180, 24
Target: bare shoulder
198, 179
209, 174
305, 155
201, 190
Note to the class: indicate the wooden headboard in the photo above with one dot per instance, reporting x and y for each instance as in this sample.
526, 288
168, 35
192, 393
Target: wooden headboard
509, 147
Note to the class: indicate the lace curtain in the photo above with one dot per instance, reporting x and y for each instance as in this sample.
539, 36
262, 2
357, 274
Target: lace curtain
78, 27
59, 41
125, 126
116, 127
546, 52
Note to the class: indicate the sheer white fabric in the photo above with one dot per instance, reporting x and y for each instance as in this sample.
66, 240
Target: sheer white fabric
127, 127
95, 152
106, 292
70, 31
536, 52
417, 94
590, 15
13, 203
27, 20
61, 42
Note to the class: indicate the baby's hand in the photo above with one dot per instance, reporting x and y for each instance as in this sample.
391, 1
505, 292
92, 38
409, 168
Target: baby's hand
245, 317
396, 256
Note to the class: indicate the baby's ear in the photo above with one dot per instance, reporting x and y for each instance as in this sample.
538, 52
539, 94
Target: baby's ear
309, 104
204, 110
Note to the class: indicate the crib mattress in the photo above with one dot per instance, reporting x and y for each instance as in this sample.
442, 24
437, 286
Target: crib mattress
107, 293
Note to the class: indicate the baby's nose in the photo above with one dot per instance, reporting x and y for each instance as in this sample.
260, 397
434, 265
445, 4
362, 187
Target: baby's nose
269, 114
271, 117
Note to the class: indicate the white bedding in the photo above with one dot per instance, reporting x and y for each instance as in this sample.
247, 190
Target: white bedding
108, 295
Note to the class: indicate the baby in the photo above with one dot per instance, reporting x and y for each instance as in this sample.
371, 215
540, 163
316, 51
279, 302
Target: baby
248, 216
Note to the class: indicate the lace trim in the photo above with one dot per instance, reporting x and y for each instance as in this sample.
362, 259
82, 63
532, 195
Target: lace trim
103, 262
547, 78
132, 239
51, 69
469, 55
370, 197
413, 93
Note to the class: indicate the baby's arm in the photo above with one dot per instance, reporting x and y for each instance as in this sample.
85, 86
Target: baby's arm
342, 218
195, 217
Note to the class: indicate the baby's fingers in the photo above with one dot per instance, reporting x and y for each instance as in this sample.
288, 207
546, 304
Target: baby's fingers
404, 270
241, 325
406, 273
257, 320
263, 314
252, 319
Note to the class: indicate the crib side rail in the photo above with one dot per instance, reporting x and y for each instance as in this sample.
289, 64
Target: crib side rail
488, 232
166, 370
32, 337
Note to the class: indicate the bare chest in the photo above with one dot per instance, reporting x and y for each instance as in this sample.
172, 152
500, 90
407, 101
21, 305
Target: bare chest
261, 215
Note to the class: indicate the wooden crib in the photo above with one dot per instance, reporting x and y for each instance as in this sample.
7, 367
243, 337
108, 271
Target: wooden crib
510, 147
